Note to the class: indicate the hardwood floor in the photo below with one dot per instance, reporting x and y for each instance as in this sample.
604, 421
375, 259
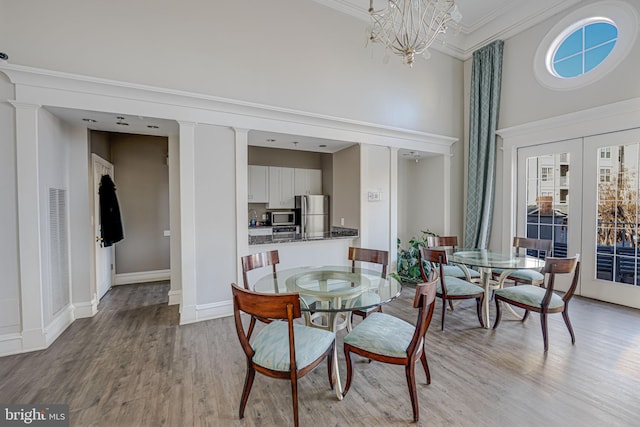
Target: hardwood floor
133, 365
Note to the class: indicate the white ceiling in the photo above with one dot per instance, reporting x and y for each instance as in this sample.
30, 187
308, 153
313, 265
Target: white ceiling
482, 22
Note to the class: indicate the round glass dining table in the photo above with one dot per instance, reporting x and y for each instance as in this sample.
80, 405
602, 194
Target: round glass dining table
332, 288
328, 295
486, 260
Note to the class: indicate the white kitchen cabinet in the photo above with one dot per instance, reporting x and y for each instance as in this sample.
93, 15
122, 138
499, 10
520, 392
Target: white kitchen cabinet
307, 181
281, 188
258, 184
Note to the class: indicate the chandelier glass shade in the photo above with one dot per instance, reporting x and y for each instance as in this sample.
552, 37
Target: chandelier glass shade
409, 27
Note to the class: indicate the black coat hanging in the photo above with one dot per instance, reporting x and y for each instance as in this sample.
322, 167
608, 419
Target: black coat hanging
110, 220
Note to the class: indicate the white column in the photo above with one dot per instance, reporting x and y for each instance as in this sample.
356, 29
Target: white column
187, 222
446, 193
175, 293
242, 215
393, 208
81, 233
29, 237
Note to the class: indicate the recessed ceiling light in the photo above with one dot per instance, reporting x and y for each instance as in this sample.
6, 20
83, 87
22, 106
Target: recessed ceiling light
322, 145
89, 120
271, 140
120, 118
153, 126
122, 123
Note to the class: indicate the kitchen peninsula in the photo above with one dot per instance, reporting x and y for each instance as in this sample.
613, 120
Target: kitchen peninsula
334, 233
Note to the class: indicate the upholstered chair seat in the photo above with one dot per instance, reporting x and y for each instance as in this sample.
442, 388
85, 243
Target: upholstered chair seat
530, 295
382, 334
271, 345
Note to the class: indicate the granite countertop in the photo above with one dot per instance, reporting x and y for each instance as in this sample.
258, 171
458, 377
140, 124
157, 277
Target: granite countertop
335, 233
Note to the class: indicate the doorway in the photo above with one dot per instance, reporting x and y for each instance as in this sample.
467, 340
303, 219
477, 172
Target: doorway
584, 195
104, 256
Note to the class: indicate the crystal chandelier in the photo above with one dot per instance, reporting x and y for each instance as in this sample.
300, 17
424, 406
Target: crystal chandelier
409, 27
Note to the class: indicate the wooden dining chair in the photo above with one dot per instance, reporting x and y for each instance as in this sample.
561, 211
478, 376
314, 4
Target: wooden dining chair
255, 261
539, 248
373, 256
281, 349
450, 244
450, 288
387, 339
543, 300
259, 260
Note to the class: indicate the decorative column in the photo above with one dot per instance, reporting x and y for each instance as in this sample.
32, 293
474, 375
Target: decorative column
188, 222
29, 230
242, 185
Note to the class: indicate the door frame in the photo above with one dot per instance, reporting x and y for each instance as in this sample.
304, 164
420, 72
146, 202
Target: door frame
618, 116
95, 161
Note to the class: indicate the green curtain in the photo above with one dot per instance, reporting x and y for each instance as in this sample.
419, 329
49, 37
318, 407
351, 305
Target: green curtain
486, 77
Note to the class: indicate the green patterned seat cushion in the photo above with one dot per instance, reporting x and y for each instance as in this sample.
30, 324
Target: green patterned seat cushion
459, 287
271, 345
456, 271
527, 275
382, 334
530, 295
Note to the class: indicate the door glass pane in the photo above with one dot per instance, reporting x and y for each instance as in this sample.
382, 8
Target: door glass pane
547, 196
618, 224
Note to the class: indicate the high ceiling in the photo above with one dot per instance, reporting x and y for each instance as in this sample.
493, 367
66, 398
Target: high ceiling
482, 22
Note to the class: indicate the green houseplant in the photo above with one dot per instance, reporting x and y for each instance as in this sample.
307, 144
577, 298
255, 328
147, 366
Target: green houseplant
408, 268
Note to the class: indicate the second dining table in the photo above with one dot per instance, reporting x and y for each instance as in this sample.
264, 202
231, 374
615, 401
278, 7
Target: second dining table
330, 294
486, 260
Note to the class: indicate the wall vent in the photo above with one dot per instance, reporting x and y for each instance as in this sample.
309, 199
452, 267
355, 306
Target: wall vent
59, 250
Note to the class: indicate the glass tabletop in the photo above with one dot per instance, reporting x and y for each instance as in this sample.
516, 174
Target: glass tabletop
332, 288
495, 259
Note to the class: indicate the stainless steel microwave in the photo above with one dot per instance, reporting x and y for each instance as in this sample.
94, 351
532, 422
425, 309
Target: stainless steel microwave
283, 218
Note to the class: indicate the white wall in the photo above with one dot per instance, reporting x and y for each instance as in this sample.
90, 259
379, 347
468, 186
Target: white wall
54, 166
525, 100
290, 53
9, 289
421, 191
215, 214
375, 168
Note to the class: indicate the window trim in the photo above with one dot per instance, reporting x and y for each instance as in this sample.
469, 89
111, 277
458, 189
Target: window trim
622, 15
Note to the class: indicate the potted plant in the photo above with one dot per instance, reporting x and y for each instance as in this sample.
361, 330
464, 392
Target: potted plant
408, 268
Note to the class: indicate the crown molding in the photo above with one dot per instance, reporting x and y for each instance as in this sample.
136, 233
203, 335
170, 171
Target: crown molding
593, 121
57, 89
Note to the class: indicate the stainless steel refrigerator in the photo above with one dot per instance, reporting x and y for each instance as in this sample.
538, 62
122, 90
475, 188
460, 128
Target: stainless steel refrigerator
312, 215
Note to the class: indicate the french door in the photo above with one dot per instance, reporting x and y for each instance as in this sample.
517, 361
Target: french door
583, 195
550, 197
612, 219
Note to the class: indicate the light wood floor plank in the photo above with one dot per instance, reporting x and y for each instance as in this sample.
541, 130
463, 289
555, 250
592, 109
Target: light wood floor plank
133, 365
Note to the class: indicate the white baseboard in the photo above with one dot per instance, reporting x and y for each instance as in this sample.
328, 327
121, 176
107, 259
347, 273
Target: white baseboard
175, 297
10, 344
199, 313
142, 277
59, 324
82, 310
37, 339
